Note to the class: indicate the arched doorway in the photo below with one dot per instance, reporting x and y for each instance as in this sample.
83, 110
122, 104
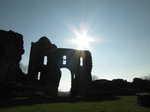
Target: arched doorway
65, 82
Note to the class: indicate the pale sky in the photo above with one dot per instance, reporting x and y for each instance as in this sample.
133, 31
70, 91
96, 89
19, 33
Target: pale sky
121, 29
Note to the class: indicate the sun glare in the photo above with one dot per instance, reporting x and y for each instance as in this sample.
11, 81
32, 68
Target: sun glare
82, 41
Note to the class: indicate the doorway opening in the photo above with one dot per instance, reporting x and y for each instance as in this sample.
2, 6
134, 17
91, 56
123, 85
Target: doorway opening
65, 83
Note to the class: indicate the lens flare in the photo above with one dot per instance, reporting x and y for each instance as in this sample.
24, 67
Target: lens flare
82, 41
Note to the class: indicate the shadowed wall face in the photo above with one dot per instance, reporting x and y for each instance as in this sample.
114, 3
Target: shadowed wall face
11, 50
46, 60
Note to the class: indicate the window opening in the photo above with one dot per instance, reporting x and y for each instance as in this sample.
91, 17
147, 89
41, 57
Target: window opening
81, 61
39, 76
64, 59
45, 60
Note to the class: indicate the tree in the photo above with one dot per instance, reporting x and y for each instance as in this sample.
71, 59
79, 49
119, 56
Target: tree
94, 77
146, 77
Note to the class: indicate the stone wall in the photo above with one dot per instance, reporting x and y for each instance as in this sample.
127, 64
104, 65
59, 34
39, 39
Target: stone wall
48, 74
11, 50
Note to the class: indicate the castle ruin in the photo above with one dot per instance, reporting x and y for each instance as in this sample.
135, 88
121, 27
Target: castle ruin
45, 63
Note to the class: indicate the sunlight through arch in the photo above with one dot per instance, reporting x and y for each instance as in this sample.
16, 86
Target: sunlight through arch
65, 80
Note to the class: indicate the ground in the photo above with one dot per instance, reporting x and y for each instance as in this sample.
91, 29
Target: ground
80, 104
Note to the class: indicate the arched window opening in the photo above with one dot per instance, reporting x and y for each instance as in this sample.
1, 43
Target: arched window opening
65, 82
39, 76
64, 59
74, 76
81, 61
45, 60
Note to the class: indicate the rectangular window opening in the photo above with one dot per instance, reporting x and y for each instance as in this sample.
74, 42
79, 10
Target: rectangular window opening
39, 76
81, 61
64, 60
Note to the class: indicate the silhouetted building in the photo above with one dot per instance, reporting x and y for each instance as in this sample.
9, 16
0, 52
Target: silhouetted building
45, 63
11, 50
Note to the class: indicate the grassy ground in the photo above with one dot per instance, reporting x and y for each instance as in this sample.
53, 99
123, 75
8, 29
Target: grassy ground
96, 104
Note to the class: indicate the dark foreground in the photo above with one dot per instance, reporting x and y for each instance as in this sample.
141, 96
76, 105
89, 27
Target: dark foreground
11, 102
80, 104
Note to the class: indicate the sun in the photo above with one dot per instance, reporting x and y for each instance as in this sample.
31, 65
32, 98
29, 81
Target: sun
82, 41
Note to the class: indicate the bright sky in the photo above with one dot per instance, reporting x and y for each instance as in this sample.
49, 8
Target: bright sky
119, 30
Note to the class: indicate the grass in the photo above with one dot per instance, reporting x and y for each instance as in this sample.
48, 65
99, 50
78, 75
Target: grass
111, 104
